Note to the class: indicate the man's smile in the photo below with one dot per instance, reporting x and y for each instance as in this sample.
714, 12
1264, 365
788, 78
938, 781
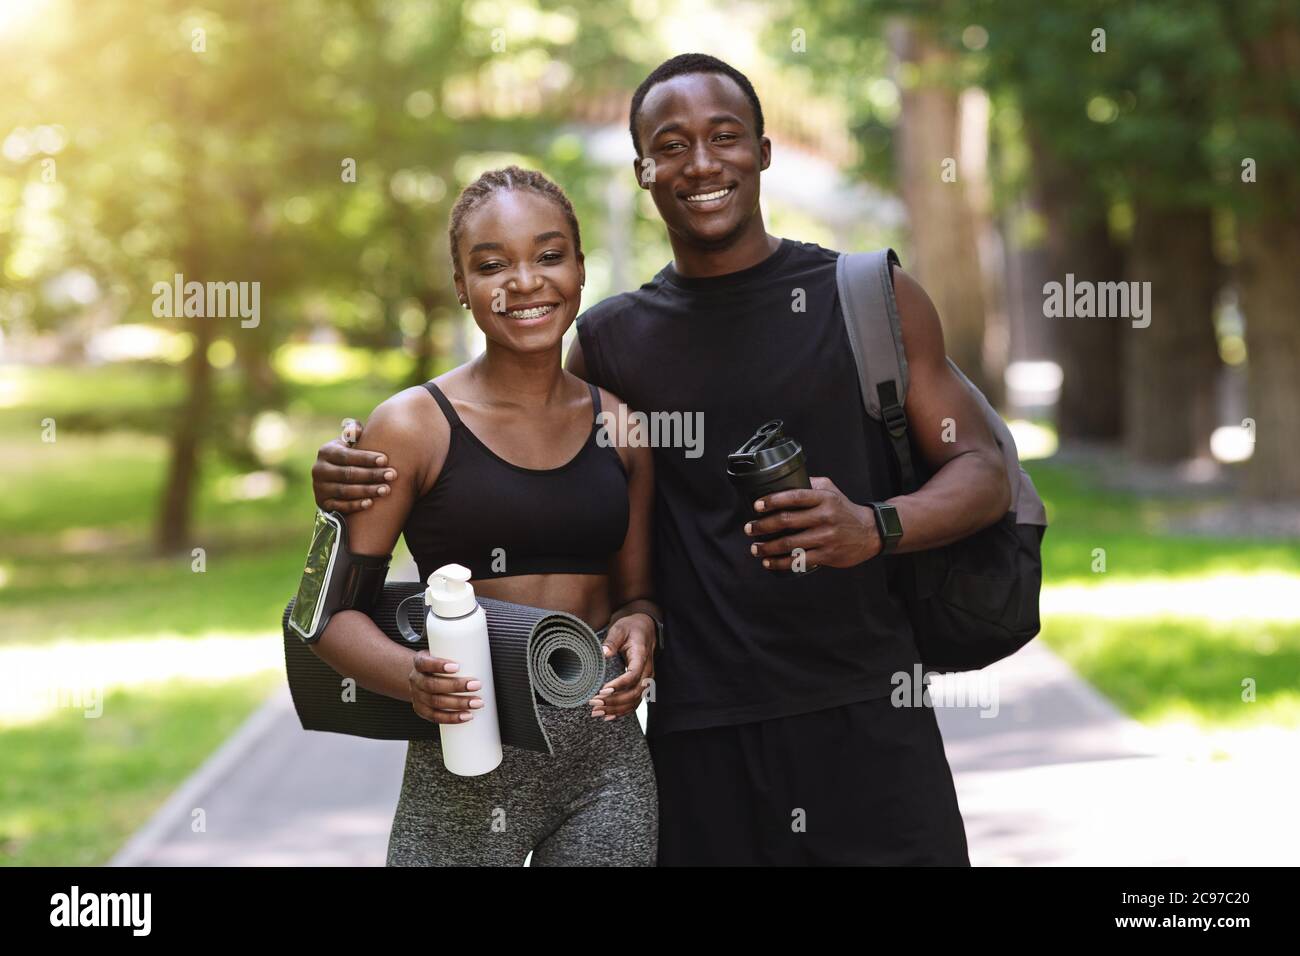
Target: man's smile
707, 200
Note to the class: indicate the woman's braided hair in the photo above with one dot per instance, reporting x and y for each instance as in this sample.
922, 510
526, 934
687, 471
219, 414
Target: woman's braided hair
497, 180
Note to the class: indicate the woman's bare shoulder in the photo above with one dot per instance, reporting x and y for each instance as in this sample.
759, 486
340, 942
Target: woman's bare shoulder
411, 429
410, 413
614, 413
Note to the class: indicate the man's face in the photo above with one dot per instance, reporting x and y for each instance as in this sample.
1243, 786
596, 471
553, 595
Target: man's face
698, 130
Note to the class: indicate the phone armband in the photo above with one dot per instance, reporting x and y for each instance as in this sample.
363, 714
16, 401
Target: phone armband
334, 579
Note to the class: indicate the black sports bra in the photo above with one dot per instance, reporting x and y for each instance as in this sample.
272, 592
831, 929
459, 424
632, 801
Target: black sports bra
500, 519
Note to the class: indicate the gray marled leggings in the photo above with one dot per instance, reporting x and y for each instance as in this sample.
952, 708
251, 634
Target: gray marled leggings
594, 803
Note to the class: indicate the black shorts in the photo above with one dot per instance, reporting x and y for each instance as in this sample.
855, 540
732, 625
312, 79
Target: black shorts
861, 784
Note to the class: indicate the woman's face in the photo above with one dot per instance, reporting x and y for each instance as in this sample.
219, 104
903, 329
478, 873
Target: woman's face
521, 274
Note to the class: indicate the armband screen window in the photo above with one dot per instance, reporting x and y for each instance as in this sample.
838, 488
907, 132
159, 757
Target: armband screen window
312, 589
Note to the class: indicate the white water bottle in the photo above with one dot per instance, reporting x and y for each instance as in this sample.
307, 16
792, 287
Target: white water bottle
457, 630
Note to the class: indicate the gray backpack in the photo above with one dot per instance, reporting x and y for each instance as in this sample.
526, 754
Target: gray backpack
974, 601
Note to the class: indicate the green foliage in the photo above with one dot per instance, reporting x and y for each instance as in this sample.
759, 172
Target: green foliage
313, 147
1084, 515
1168, 110
846, 57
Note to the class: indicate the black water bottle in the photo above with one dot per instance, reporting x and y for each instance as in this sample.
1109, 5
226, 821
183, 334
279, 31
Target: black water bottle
769, 461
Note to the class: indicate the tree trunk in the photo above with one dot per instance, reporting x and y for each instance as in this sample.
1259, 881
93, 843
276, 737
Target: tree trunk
254, 353
1270, 301
1171, 365
191, 425
1091, 353
1088, 350
173, 531
434, 294
263, 388
422, 360
944, 251
1269, 267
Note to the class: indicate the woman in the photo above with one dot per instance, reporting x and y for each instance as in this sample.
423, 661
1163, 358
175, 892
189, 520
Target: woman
499, 469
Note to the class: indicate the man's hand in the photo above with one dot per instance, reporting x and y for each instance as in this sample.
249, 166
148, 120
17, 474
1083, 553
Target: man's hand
635, 636
830, 529
346, 479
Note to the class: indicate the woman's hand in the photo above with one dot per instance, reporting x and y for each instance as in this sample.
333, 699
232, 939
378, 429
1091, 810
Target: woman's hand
634, 636
435, 695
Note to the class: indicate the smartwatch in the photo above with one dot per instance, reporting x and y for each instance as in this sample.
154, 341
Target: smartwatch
659, 630
888, 525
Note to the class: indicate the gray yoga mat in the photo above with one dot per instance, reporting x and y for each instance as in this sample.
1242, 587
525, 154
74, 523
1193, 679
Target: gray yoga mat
538, 657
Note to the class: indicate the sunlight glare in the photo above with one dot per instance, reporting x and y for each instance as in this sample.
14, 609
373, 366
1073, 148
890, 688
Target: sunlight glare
15, 14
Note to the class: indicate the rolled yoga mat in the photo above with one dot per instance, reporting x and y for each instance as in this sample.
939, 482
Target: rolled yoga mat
537, 655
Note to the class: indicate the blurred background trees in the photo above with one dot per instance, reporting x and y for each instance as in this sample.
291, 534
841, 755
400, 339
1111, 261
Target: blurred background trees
1127, 143
312, 147
315, 147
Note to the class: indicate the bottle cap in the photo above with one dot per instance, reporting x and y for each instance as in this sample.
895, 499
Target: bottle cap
768, 455
449, 593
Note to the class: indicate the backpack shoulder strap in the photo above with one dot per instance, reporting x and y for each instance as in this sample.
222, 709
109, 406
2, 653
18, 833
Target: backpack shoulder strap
866, 291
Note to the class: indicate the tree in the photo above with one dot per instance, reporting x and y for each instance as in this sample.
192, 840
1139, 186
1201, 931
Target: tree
942, 222
308, 147
1264, 104
1080, 242
1118, 103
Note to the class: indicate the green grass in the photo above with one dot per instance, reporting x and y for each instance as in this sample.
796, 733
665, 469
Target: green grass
1162, 668
76, 547
1187, 670
77, 561
73, 789
1083, 518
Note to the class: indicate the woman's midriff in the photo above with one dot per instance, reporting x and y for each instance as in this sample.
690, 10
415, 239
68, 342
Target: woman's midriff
584, 595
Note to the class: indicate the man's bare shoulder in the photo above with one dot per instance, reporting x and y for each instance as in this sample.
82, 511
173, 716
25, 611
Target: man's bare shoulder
918, 321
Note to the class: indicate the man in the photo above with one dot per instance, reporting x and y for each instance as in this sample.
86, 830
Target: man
774, 737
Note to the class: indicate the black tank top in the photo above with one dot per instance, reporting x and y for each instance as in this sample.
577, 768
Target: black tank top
741, 644
500, 519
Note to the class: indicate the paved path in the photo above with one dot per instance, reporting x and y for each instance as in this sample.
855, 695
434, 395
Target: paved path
1060, 777
277, 795
1053, 775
